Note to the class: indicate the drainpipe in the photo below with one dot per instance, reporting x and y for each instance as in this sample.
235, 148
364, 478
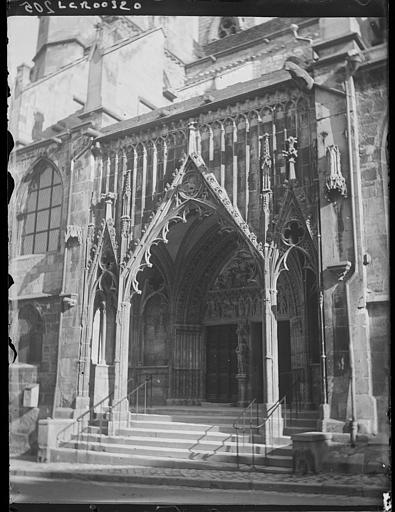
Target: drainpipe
356, 202
324, 377
62, 293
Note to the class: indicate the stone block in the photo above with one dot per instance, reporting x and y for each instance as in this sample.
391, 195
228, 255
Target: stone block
48, 431
309, 450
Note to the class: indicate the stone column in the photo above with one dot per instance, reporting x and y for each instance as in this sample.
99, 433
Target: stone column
270, 353
120, 408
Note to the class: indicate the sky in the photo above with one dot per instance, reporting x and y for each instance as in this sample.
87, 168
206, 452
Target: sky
22, 40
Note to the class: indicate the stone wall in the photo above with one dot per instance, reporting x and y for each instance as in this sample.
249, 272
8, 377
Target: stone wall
126, 69
372, 102
52, 97
245, 63
23, 420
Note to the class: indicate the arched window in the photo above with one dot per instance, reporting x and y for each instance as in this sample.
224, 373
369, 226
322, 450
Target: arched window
42, 212
227, 26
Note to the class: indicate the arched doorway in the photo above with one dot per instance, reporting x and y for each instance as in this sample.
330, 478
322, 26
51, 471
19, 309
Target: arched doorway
197, 323
102, 334
31, 328
298, 333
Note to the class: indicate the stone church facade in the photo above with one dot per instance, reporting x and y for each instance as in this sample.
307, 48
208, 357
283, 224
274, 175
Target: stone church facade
204, 202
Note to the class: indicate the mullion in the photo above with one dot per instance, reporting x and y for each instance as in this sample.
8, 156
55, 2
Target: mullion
50, 206
35, 215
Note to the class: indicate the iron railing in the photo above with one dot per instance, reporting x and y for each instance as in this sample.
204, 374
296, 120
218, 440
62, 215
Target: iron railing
248, 424
143, 392
78, 427
245, 423
269, 422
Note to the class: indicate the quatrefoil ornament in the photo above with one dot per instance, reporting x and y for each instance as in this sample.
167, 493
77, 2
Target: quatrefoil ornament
191, 185
293, 232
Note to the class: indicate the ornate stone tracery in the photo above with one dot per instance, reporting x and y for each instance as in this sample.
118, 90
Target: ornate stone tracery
192, 188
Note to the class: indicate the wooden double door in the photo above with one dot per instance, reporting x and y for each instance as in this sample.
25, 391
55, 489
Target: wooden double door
221, 364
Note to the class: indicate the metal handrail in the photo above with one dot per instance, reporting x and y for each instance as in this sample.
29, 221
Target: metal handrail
253, 430
243, 413
241, 426
78, 420
268, 425
135, 391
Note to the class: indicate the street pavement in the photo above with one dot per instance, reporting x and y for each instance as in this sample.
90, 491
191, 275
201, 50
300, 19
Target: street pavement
41, 490
203, 481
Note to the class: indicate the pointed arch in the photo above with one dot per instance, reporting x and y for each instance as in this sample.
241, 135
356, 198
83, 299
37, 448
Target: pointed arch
40, 197
193, 187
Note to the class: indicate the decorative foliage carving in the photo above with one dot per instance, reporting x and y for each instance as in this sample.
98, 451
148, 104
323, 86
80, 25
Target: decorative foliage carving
335, 186
73, 235
192, 189
239, 272
231, 304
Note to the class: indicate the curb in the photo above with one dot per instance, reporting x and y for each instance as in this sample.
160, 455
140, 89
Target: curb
313, 488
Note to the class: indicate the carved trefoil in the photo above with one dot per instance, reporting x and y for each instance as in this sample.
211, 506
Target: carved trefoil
335, 186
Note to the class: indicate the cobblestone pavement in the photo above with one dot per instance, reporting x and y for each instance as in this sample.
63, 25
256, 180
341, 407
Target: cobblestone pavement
41, 490
364, 485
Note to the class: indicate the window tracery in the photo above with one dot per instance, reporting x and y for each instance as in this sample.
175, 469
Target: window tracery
42, 213
227, 26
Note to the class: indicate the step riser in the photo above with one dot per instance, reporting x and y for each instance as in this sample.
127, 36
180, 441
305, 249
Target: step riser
89, 457
302, 414
290, 431
244, 457
301, 423
204, 419
199, 411
282, 463
195, 445
212, 436
173, 426
154, 451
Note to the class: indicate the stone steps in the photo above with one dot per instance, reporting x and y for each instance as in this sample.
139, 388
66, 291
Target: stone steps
172, 434
224, 444
169, 452
292, 430
161, 438
92, 457
171, 425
